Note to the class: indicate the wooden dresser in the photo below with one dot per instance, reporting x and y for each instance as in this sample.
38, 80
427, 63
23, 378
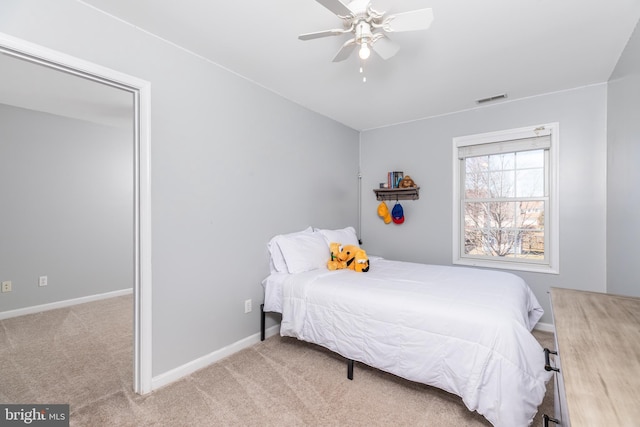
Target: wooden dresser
598, 345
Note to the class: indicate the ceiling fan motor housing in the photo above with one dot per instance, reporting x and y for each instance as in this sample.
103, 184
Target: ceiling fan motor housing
363, 32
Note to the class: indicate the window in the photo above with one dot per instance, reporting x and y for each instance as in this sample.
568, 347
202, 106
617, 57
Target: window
505, 199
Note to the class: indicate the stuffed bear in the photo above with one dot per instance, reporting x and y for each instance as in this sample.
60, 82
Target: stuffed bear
407, 182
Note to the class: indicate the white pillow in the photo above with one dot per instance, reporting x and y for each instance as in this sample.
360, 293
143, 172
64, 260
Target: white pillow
277, 262
304, 252
345, 236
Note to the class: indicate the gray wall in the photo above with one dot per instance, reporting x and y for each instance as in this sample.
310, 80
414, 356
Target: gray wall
623, 173
423, 150
232, 165
66, 188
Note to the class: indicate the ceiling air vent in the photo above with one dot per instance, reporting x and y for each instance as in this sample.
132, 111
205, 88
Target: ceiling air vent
492, 98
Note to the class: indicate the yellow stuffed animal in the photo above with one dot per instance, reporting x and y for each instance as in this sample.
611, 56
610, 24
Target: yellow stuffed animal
337, 261
356, 258
361, 261
348, 256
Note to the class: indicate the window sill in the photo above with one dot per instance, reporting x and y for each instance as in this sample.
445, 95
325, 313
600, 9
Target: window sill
502, 265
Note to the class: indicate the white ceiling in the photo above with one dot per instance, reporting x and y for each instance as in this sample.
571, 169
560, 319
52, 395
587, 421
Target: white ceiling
474, 49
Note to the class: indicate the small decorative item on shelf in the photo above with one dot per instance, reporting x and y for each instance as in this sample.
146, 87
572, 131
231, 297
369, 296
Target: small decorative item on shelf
407, 182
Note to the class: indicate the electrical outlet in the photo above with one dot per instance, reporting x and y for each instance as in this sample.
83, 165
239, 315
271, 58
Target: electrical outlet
247, 306
43, 281
6, 286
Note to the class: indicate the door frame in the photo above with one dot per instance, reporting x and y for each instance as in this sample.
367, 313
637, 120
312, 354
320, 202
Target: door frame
140, 89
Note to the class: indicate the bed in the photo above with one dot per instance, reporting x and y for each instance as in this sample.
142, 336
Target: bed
466, 331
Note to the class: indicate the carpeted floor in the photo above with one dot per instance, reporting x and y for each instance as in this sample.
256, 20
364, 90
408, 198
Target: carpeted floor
82, 355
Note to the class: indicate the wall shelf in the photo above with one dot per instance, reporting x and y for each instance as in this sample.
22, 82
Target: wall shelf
397, 193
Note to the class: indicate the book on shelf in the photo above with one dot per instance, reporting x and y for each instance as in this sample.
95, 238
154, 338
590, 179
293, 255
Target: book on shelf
394, 178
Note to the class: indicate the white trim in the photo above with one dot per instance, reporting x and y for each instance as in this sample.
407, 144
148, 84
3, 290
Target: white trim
553, 265
505, 265
143, 238
62, 304
142, 204
545, 327
204, 361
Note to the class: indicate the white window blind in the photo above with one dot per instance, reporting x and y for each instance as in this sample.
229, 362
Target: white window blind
525, 144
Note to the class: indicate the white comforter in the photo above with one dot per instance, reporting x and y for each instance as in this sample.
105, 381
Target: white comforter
466, 331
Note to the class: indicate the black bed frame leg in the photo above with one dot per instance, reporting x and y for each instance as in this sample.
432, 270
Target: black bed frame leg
262, 316
350, 369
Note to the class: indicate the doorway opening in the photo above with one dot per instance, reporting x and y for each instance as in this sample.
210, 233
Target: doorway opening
140, 91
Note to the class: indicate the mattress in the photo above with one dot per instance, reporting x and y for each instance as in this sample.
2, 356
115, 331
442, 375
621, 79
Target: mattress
273, 291
464, 330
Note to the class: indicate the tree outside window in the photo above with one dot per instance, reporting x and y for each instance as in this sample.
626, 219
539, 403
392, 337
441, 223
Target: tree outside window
504, 205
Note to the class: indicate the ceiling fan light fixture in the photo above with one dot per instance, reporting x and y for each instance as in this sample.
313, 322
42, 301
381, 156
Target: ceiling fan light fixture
364, 52
369, 26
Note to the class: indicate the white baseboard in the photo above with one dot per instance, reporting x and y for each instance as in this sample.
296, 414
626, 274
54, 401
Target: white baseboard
61, 304
204, 361
545, 327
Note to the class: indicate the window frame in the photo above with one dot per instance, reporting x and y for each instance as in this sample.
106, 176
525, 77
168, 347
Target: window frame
551, 265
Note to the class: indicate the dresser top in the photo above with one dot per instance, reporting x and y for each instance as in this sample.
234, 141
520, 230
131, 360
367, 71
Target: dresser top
598, 339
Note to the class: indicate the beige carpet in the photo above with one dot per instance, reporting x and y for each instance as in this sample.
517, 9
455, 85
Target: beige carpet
83, 356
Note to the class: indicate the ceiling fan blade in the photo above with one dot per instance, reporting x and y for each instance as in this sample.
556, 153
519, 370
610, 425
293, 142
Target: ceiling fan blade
384, 5
385, 48
414, 20
317, 35
345, 51
336, 6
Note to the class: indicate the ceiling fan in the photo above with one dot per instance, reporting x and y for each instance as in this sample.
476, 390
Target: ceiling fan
369, 27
